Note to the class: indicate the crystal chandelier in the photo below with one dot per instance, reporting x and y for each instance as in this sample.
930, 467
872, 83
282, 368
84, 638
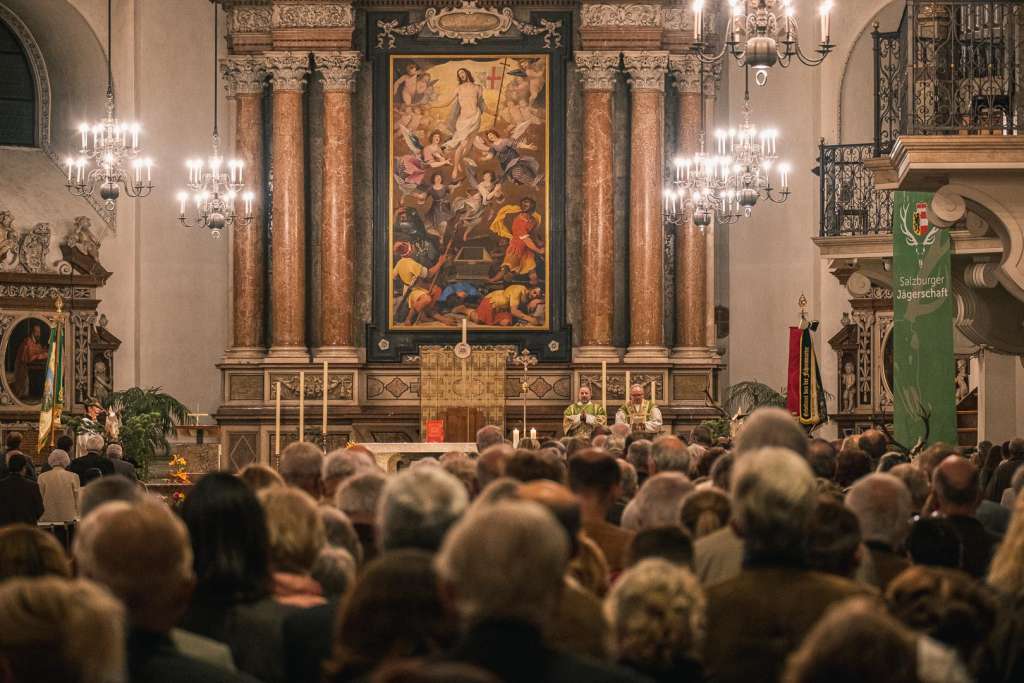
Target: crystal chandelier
763, 35
108, 147
726, 186
216, 185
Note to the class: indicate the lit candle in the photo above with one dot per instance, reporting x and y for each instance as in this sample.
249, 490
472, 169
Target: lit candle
247, 198
277, 420
698, 20
784, 173
240, 165
604, 386
84, 130
302, 405
515, 438
138, 171
149, 170
323, 427
735, 21
533, 434
135, 136
70, 162
182, 198
826, 16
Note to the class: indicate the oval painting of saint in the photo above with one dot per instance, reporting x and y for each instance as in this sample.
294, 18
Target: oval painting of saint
25, 359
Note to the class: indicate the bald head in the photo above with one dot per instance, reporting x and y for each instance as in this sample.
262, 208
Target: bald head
882, 505
956, 484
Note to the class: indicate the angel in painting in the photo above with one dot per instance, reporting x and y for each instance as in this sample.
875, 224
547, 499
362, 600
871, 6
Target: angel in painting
440, 194
472, 207
520, 169
411, 169
412, 92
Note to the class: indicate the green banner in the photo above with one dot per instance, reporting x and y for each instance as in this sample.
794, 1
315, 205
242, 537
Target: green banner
923, 365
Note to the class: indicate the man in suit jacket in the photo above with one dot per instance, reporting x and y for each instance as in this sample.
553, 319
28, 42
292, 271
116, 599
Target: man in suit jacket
121, 466
957, 488
765, 612
20, 500
92, 458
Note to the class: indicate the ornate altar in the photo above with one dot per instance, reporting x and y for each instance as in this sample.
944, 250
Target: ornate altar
32, 277
464, 391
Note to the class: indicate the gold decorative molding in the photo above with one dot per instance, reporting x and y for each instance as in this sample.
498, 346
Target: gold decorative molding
468, 23
632, 15
313, 15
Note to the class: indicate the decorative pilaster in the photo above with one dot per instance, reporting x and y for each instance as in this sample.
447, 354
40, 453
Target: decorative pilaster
598, 72
691, 241
337, 237
288, 247
646, 261
244, 78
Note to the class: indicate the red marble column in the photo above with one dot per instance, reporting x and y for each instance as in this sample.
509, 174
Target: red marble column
244, 78
598, 71
691, 241
337, 228
646, 230
288, 245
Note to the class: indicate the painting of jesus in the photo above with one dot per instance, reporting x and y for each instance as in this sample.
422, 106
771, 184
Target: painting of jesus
468, 204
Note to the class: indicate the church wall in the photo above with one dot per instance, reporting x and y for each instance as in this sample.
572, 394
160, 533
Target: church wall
182, 273
772, 258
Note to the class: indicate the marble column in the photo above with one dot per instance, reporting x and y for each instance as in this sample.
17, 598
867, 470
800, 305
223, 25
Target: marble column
337, 225
244, 79
691, 241
288, 240
598, 72
646, 230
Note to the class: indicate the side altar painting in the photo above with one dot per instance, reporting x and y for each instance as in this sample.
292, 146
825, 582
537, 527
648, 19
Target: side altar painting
469, 191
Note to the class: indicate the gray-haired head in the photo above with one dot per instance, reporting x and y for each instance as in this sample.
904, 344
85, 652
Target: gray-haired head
359, 496
774, 495
487, 436
629, 479
335, 571
341, 464
105, 490
340, 532
504, 561
301, 466
417, 507
115, 451
669, 454
882, 505
638, 453
58, 458
660, 499
94, 443
771, 428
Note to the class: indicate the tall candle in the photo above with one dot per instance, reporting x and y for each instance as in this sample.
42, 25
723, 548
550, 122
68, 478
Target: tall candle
515, 438
463, 330
277, 420
302, 405
533, 434
323, 427
604, 386
220, 453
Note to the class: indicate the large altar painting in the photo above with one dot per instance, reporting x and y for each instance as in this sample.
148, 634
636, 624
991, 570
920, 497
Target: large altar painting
469, 191
25, 359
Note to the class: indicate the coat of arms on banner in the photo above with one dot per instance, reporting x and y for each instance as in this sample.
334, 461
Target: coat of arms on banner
918, 232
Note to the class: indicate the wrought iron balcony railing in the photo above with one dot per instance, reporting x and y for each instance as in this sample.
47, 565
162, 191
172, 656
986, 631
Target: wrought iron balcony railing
850, 204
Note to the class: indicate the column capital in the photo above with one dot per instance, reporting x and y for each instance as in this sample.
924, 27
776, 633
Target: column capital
646, 69
287, 70
338, 70
597, 70
712, 77
243, 74
685, 71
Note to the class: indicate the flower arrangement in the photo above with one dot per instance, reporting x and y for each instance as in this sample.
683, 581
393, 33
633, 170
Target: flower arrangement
179, 470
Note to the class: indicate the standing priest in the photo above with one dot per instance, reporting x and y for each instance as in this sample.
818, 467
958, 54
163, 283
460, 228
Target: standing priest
639, 413
581, 417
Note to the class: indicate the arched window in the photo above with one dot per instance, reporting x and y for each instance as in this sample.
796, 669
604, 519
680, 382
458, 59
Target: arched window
17, 92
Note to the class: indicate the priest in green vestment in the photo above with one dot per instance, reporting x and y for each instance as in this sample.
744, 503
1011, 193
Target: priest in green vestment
581, 417
639, 413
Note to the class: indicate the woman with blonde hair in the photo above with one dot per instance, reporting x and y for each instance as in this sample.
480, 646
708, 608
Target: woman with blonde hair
656, 611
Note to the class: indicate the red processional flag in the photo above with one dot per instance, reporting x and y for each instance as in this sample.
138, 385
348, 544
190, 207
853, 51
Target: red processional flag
805, 397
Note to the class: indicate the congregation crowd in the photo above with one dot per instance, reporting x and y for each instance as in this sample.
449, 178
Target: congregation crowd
767, 557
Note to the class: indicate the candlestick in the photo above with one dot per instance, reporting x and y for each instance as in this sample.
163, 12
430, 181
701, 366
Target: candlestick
277, 421
302, 405
604, 386
323, 427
